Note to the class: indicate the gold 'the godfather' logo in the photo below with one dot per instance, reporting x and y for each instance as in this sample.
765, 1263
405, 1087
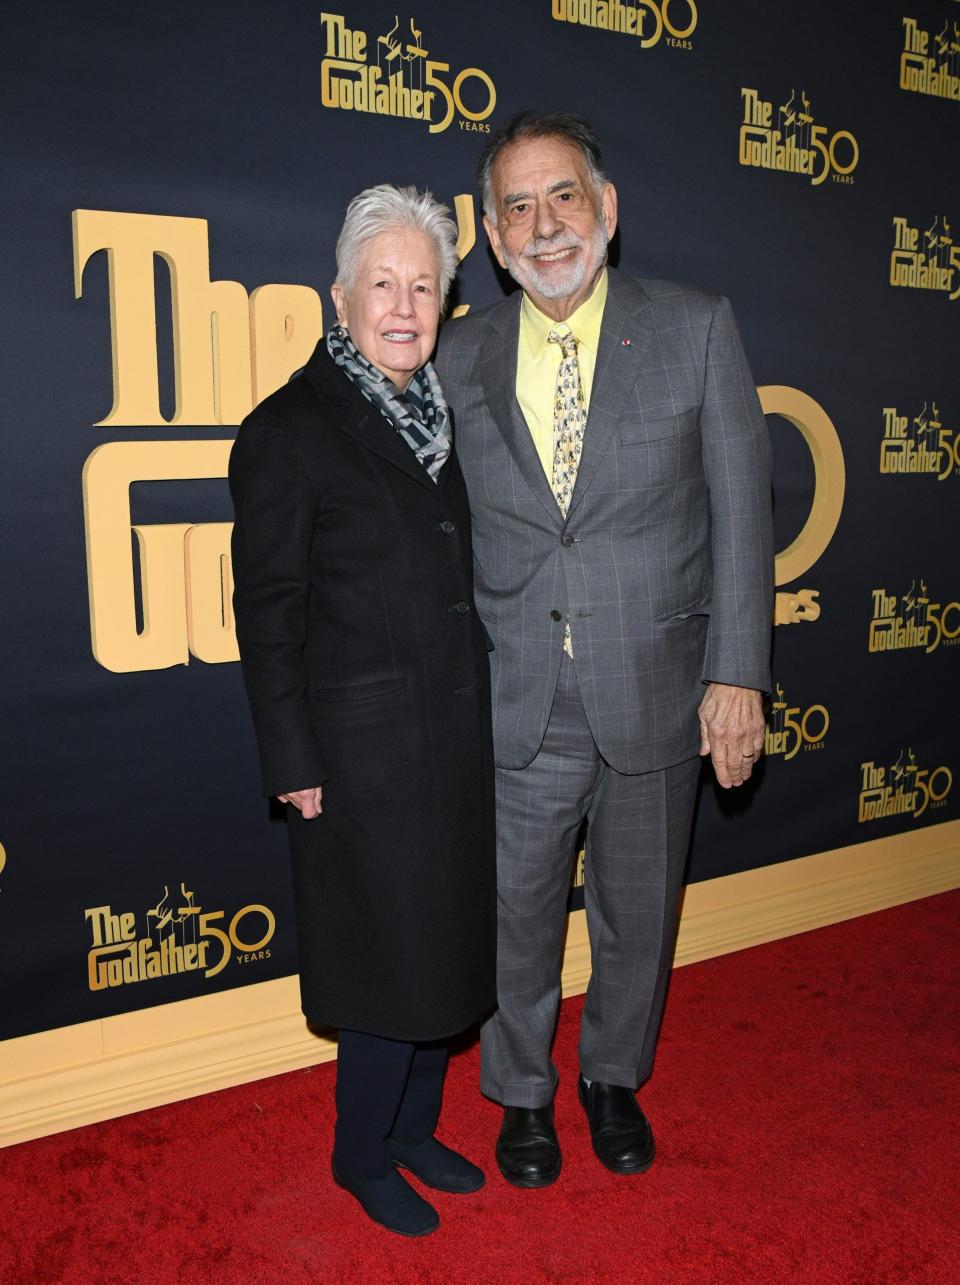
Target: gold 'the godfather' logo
924, 72
229, 351
176, 937
902, 789
912, 620
919, 445
397, 77
794, 143
930, 263
646, 19
791, 729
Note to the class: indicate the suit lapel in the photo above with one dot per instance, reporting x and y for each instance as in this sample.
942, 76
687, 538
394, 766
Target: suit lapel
364, 423
625, 334
498, 376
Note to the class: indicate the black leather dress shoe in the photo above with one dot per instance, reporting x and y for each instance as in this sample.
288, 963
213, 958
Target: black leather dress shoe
528, 1153
436, 1165
620, 1132
391, 1202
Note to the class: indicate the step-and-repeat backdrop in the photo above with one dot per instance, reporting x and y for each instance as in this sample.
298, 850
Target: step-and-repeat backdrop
177, 180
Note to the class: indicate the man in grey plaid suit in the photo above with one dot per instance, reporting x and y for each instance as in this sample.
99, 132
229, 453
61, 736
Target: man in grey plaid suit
618, 467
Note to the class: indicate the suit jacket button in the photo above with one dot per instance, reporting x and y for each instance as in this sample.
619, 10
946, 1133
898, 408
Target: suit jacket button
447, 527
461, 608
567, 540
556, 615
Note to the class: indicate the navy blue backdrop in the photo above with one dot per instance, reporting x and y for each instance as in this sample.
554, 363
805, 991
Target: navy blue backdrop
800, 159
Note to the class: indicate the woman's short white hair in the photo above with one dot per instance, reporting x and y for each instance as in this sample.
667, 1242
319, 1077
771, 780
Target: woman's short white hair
383, 208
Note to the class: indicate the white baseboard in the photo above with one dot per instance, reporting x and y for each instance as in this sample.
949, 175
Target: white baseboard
97, 1070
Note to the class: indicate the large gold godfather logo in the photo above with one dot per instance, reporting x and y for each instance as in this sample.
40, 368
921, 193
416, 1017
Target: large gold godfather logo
230, 351
804, 551
394, 75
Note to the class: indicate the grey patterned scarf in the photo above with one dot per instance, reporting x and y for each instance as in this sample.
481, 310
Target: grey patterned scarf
419, 414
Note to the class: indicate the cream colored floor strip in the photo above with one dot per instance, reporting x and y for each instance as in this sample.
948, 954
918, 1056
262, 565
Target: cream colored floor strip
96, 1070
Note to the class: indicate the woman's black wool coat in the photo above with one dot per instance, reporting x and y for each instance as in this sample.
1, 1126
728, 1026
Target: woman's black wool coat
366, 669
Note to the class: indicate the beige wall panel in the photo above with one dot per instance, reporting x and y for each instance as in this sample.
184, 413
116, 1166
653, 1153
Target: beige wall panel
97, 1070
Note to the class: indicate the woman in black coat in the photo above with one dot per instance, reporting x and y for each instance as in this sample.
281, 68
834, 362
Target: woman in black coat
366, 669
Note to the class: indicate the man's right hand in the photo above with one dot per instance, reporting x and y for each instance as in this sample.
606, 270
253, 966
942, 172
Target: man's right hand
308, 801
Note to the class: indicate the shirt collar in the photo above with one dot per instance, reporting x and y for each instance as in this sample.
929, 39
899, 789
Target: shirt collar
584, 322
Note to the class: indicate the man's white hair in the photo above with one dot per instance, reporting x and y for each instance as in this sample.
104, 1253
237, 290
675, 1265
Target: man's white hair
552, 124
385, 208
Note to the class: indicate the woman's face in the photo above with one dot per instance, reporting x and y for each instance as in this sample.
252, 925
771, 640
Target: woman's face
392, 309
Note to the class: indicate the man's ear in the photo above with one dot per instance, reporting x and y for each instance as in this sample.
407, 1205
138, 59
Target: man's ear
493, 236
608, 208
339, 296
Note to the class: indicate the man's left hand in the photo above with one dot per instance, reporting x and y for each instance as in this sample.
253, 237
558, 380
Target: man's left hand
731, 731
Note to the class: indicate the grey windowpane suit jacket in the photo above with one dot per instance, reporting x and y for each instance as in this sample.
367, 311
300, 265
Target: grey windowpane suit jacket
664, 563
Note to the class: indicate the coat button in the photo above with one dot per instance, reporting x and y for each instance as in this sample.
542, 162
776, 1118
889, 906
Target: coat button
461, 608
447, 527
556, 615
567, 540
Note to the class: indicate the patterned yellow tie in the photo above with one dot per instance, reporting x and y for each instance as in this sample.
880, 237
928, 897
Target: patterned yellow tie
569, 421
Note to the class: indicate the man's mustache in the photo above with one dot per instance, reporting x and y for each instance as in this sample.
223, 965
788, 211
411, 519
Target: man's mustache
552, 245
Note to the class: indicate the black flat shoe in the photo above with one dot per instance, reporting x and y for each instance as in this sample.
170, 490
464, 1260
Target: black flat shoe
436, 1165
620, 1132
528, 1153
391, 1202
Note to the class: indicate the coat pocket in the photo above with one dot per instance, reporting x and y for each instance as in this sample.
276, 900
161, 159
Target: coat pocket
357, 691
701, 607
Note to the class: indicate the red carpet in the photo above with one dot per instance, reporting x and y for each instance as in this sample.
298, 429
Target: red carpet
804, 1102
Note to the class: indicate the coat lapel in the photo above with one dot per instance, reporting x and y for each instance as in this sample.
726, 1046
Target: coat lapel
364, 423
498, 376
625, 334
444, 474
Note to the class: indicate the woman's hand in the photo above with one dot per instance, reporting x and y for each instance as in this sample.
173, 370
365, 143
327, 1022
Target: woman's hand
309, 801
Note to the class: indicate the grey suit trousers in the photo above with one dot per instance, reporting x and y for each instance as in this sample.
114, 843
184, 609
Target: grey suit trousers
638, 831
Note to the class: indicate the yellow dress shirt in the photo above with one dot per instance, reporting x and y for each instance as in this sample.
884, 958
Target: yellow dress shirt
539, 361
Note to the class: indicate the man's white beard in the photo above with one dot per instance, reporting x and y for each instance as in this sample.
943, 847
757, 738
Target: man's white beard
560, 285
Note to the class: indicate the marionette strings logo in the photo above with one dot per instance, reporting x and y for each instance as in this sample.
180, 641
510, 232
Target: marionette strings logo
926, 260
902, 789
788, 138
926, 70
791, 728
648, 20
922, 444
912, 621
174, 936
393, 75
